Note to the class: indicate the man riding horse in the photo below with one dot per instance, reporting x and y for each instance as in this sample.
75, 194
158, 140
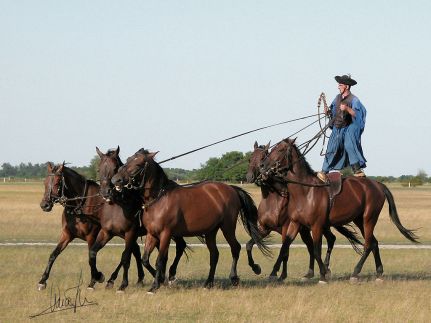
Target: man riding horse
347, 122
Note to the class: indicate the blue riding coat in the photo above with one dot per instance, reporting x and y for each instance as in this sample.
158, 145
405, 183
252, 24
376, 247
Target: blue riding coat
344, 145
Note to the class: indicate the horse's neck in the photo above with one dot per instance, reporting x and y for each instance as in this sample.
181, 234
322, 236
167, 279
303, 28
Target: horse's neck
74, 184
156, 182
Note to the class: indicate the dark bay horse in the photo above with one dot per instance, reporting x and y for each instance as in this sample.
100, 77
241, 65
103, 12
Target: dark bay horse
128, 221
360, 200
81, 216
273, 216
179, 211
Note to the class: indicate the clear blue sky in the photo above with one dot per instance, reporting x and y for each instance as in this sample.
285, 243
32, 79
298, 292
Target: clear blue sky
174, 75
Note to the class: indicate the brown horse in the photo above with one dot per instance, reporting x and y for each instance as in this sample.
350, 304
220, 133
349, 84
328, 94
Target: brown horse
131, 203
360, 200
273, 216
176, 211
83, 208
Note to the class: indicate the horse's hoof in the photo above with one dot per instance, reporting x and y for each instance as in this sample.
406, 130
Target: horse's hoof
328, 274
272, 278
102, 278
256, 269
281, 279
140, 284
172, 281
323, 282
90, 288
152, 291
109, 285
41, 286
305, 279
354, 280
379, 280
209, 285
120, 291
234, 281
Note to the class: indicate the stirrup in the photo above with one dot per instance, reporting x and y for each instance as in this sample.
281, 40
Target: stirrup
322, 176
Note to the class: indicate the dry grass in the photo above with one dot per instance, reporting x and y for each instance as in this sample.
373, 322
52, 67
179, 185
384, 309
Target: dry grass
404, 296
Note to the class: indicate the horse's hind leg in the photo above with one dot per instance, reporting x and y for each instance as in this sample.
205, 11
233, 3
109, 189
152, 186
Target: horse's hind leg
249, 248
377, 259
235, 248
210, 240
180, 247
65, 239
367, 228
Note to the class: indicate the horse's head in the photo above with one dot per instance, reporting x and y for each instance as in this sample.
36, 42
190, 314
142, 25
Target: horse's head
132, 173
53, 183
279, 159
108, 166
257, 157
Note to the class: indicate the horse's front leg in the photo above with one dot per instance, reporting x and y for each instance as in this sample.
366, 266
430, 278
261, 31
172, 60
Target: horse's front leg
317, 244
65, 239
291, 232
150, 244
330, 239
130, 240
96, 276
308, 240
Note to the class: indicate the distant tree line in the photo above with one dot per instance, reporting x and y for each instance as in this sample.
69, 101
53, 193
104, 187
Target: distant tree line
231, 166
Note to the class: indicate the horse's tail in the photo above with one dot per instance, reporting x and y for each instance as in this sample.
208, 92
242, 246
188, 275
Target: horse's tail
248, 214
351, 235
409, 234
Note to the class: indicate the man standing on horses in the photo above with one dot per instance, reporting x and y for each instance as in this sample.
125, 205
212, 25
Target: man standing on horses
347, 123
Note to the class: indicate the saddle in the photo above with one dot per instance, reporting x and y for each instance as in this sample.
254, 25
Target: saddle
335, 184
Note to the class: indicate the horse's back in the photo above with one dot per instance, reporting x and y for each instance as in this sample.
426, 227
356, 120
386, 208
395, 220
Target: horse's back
194, 209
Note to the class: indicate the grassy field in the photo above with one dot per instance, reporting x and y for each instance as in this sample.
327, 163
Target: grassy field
402, 297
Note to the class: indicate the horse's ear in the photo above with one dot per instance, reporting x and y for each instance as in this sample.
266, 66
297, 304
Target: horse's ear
255, 145
117, 151
99, 152
268, 145
151, 155
60, 169
49, 166
293, 140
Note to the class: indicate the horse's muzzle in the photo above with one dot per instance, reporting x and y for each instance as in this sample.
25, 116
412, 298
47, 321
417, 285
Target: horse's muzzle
46, 206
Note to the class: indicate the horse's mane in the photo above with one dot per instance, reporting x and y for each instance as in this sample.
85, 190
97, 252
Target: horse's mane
73, 172
159, 169
143, 151
301, 158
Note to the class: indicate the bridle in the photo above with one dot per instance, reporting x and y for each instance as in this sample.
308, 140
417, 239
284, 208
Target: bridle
279, 172
62, 199
141, 172
54, 199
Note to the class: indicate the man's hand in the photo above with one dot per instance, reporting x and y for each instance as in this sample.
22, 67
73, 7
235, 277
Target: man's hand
349, 110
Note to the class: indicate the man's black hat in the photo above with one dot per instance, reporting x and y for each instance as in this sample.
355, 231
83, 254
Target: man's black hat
346, 80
